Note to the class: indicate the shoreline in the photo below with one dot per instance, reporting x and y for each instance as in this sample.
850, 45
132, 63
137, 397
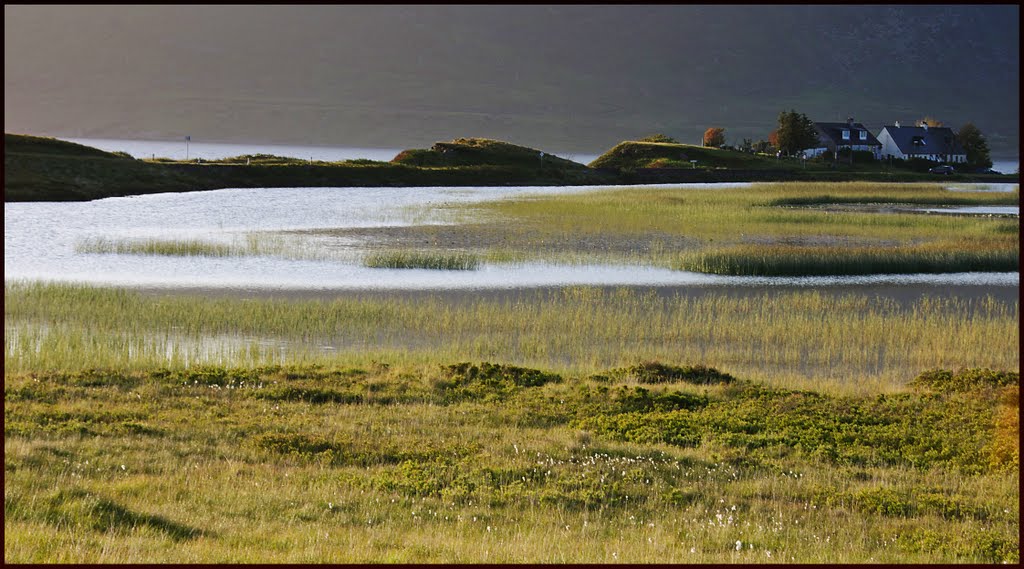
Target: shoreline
38, 169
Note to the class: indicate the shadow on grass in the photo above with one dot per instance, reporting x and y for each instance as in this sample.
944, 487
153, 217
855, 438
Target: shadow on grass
78, 507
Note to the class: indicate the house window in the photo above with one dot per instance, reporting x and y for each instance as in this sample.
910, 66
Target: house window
846, 134
863, 135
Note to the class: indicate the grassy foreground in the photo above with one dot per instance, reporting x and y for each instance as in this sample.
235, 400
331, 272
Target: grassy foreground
789, 428
491, 463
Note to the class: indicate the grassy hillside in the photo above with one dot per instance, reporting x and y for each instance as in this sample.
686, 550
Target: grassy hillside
47, 169
24, 144
481, 152
632, 154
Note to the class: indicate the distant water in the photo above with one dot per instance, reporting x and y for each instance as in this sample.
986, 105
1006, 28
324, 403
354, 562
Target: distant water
176, 149
976, 210
1008, 166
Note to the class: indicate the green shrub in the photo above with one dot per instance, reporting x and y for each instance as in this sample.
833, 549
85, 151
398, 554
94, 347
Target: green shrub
658, 138
965, 380
655, 372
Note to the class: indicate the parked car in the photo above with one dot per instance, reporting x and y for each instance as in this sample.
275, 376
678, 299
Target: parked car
986, 171
943, 169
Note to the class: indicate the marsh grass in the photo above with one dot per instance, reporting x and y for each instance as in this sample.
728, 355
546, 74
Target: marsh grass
422, 260
789, 260
850, 341
168, 247
704, 222
253, 244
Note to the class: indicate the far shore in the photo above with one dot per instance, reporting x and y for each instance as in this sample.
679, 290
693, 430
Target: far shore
45, 169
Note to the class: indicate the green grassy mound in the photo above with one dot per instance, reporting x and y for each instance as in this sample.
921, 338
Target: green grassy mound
25, 144
632, 154
46, 169
483, 152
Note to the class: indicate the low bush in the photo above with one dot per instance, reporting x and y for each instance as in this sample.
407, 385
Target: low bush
656, 372
965, 380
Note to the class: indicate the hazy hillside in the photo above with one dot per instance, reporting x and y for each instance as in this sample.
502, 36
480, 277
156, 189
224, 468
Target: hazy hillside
566, 78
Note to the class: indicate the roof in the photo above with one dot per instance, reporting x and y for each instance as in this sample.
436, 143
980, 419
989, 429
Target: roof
920, 140
834, 131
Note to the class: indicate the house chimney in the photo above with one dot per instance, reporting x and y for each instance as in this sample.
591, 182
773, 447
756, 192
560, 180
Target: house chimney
925, 125
897, 124
849, 121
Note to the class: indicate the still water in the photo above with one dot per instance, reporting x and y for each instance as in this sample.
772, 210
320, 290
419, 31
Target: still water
43, 241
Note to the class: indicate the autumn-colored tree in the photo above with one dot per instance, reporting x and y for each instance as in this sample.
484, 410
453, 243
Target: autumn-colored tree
773, 138
714, 136
928, 121
974, 143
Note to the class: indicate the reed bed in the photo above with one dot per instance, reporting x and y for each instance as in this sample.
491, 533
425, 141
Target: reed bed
849, 341
626, 219
168, 247
253, 244
789, 260
422, 260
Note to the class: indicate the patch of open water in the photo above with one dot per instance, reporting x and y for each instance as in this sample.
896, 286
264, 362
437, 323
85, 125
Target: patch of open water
974, 210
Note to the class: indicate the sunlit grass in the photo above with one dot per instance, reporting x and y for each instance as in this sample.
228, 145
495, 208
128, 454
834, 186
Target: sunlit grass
421, 260
219, 466
853, 341
711, 219
168, 247
254, 244
789, 260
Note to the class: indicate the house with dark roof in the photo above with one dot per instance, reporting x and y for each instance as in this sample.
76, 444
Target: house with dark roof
835, 136
935, 143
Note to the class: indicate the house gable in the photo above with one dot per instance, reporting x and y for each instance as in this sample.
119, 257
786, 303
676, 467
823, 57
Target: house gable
933, 143
835, 135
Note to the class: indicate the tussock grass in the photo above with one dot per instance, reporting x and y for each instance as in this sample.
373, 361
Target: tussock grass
422, 260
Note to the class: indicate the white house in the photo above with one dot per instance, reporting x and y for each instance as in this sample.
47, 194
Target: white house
835, 136
937, 143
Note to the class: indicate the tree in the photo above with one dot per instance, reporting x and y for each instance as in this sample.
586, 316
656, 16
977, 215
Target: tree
773, 139
763, 147
928, 121
714, 136
796, 132
973, 141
